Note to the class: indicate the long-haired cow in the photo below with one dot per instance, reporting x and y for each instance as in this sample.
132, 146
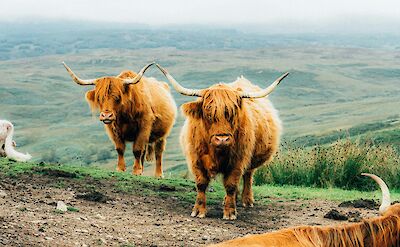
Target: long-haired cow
7, 144
383, 231
135, 109
231, 129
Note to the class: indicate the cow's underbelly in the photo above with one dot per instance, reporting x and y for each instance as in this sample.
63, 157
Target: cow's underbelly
130, 133
155, 135
259, 160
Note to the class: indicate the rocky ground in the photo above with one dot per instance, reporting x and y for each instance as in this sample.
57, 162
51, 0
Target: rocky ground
106, 217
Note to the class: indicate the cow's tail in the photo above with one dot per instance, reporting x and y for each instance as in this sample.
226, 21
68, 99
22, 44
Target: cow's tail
150, 152
11, 153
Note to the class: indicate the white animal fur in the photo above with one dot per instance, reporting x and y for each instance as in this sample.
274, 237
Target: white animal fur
6, 135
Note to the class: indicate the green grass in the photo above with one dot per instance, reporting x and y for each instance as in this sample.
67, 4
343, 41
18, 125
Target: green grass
335, 165
72, 209
179, 188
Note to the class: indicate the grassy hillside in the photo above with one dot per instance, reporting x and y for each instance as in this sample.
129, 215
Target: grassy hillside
382, 132
173, 186
331, 86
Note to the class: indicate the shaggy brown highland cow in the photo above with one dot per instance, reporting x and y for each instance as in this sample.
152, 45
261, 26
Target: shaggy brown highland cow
134, 109
231, 129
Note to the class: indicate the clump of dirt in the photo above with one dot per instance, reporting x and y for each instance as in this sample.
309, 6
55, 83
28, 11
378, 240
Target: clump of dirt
94, 196
57, 173
165, 187
335, 215
360, 203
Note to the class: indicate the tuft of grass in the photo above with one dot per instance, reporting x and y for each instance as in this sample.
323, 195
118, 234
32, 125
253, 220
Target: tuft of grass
336, 165
72, 209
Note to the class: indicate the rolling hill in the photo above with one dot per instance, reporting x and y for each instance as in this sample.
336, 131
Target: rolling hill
332, 85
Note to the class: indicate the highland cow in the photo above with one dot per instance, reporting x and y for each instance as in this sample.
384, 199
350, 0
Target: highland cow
134, 109
231, 129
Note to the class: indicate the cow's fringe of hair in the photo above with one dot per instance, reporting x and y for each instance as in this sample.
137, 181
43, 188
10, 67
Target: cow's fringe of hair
104, 90
377, 232
11, 153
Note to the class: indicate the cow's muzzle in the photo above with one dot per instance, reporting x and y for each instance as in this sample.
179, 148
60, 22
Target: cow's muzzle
221, 140
107, 117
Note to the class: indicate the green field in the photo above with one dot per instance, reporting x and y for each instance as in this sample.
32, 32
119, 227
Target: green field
181, 188
333, 85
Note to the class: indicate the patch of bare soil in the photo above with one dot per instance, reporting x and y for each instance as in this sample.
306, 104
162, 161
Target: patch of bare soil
28, 216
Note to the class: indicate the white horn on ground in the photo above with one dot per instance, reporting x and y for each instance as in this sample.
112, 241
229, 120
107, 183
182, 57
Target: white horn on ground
385, 192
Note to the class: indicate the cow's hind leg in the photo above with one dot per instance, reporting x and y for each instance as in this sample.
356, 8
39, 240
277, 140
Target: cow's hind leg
138, 165
159, 149
247, 193
120, 147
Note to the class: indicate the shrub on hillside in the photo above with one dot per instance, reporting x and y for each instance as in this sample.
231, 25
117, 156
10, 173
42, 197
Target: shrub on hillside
337, 165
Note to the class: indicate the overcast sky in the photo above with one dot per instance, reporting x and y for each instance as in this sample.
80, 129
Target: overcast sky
223, 12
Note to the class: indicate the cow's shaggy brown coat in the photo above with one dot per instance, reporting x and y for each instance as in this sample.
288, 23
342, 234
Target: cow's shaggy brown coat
142, 113
383, 231
228, 132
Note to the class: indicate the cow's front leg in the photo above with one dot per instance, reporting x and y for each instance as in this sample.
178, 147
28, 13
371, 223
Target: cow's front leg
139, 147
231, 183
202, 181
247, 194
120, 147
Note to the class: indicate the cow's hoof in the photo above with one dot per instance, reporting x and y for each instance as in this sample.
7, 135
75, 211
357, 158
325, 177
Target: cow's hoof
119, 169
229, 217
229, 214
198, 212
248, 202
250, 205
137, 172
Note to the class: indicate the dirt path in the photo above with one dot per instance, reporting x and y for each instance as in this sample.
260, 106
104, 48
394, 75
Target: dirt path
28, 217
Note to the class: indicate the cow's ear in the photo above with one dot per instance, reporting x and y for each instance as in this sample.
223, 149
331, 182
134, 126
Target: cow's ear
90, 99
90, 96
193, 109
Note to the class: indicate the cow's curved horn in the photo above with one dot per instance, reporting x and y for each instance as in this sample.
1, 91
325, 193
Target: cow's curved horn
266, 91
178, 87
77, 79
385, 192
139, 76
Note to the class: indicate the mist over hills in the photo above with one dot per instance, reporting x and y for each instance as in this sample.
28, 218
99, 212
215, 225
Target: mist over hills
21, 39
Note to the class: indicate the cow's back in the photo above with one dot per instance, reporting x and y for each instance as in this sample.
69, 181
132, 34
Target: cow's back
162, 104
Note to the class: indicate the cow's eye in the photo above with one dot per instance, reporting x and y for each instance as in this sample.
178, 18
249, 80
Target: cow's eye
117, 99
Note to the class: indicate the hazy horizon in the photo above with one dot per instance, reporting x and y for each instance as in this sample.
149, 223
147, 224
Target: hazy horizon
277, 16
